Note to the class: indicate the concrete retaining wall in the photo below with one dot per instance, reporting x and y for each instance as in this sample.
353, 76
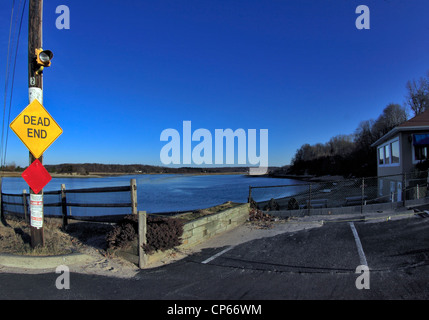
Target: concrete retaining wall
204, 228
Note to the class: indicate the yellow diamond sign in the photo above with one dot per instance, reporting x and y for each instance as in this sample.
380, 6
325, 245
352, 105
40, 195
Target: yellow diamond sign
36, 128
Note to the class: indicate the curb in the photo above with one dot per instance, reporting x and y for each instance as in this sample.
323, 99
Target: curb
31, 262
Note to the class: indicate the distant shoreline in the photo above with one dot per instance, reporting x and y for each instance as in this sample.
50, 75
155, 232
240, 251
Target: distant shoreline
16, 174
308, 178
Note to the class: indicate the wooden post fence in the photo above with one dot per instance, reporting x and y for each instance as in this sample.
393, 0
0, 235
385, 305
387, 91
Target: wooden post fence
362, 195
2, 218
133, 185
142, 238
24, 203
73, 201
64, 205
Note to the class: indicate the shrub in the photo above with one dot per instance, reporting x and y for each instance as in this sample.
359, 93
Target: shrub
292, 204
272, 205
124, 232
162, 233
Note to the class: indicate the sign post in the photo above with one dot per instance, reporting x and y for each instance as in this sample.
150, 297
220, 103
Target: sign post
34, 125
35, 87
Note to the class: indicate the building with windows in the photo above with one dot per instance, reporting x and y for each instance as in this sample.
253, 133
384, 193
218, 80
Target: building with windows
399, 150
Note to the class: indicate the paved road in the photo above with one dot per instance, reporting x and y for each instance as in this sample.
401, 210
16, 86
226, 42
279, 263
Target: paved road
318, 263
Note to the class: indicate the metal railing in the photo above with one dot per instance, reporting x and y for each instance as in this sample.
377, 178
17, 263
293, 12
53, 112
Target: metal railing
358, 192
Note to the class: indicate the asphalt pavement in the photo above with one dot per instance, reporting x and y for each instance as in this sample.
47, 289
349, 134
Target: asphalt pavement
318, 263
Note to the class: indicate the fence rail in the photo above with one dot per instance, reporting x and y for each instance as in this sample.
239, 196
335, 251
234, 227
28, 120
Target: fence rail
59, 203
308, 198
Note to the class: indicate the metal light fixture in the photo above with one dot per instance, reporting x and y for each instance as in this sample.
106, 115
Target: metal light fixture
43, 59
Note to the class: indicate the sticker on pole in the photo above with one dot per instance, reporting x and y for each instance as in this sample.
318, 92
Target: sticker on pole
36, 128
36, 176
36, 210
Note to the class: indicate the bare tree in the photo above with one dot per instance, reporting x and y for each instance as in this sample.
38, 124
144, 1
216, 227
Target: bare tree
364, 134
392, 116
341, 145
417, 97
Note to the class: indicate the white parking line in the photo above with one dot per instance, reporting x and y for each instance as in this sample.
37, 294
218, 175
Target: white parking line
359, 245
217, 255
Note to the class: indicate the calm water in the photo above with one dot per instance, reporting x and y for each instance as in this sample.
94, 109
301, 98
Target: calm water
170, 192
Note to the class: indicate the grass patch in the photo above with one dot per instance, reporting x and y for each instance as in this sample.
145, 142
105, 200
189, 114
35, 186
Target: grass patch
15, 238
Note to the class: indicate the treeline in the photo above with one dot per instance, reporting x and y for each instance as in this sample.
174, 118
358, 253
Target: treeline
87, 168
11, 167
352, 155
346, 155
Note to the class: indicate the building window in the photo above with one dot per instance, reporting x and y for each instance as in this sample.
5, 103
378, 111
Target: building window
388, 154
394, 147
420, 153
380, 156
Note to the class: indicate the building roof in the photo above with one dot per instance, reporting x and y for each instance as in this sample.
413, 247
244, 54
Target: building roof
419, 122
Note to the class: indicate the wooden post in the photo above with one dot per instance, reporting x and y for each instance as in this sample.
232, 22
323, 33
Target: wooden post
24, 203
363, 195
64, 205
35, 87
309, 199
133, 185
142, 238
2, 216
1, 202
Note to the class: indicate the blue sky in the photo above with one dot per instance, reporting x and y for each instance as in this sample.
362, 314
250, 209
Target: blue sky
127, 70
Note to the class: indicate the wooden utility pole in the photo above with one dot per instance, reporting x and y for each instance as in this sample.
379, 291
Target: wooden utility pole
35, 86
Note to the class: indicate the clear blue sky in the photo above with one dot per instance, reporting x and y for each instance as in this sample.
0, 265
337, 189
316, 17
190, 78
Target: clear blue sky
126, 70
